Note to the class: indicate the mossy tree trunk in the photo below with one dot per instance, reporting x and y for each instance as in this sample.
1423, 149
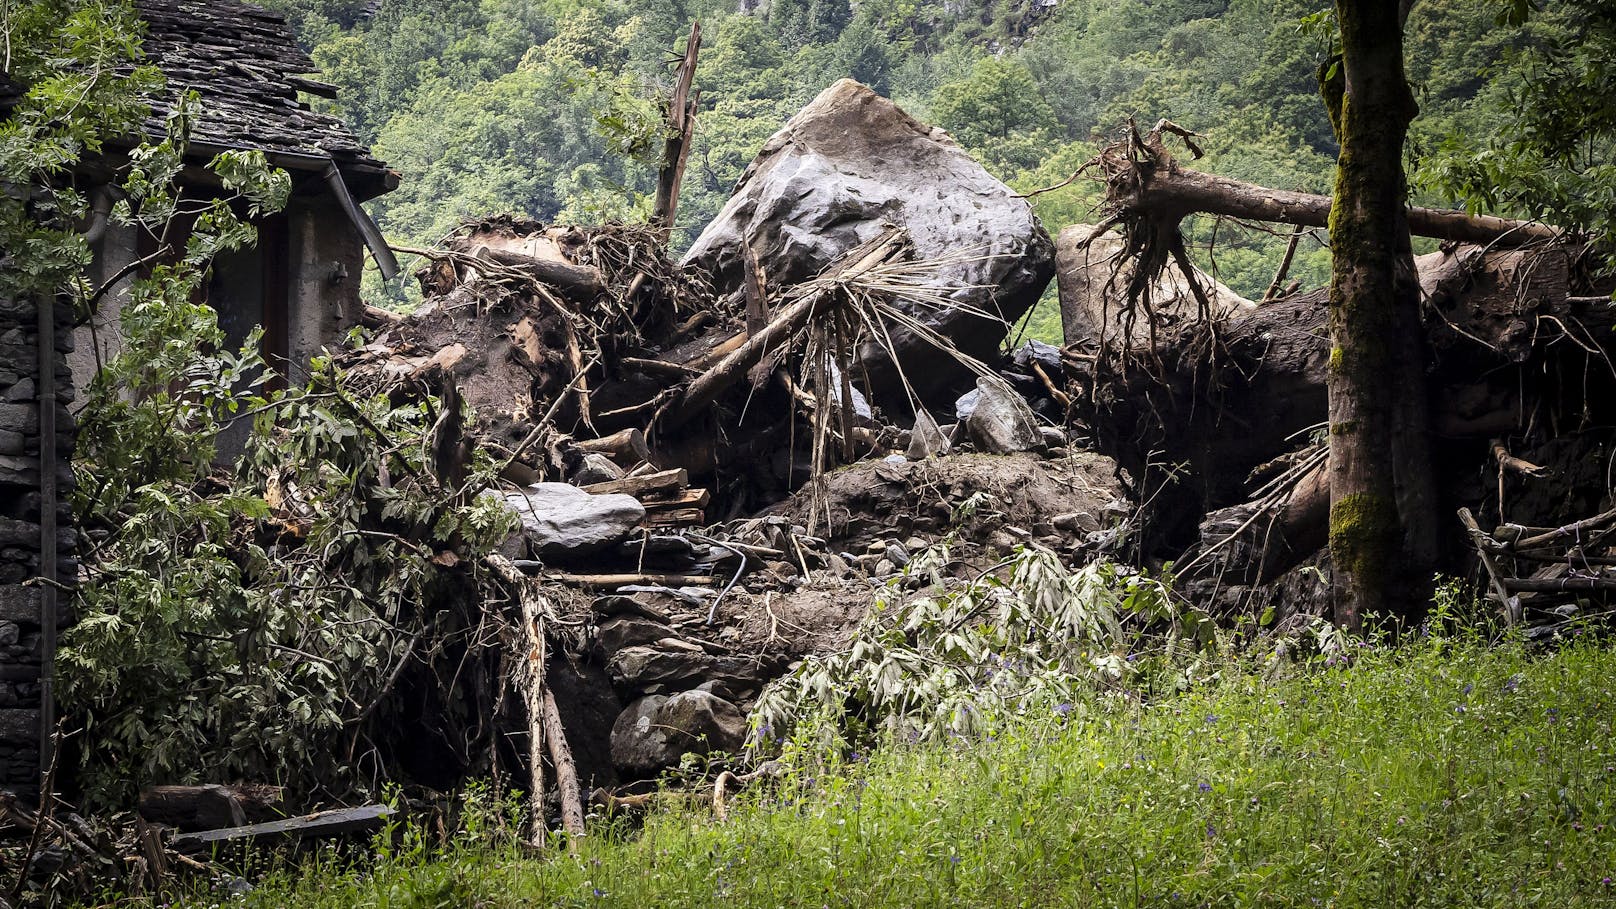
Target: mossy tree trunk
1381, 511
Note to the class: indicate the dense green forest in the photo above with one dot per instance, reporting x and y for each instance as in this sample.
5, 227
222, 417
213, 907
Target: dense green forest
550, 107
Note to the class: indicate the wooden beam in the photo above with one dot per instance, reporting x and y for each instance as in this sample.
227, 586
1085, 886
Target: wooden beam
685, 498
660, 481
611, 581
624, 444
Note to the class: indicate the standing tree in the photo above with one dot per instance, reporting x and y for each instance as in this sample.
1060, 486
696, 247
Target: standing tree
1381, 513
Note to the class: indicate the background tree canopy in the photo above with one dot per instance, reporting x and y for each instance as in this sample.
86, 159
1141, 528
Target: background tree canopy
550, 108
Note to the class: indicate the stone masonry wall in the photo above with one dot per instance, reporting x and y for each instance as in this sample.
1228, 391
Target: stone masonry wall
20, 501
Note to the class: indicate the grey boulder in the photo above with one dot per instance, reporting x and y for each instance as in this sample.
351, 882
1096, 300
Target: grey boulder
560, 520
654, 732
1001, 422
840, 172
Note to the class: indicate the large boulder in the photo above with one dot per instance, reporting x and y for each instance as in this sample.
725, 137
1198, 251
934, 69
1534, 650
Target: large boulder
560, 520
1091, 299
654, 732
845, 167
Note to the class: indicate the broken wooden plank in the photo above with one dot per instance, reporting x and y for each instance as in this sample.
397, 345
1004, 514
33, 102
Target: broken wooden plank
685, 498
321, 823
677, 517
677, 478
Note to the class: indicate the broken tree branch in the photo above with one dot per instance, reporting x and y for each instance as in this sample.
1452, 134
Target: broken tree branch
700, 394
676, 150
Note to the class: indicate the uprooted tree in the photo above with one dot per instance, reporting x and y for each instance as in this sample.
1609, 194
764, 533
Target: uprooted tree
1383, 514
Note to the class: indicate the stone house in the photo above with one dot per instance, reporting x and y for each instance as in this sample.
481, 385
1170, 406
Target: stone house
301, 283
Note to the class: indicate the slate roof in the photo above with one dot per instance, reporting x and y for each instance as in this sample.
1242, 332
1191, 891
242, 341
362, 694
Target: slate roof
245, 64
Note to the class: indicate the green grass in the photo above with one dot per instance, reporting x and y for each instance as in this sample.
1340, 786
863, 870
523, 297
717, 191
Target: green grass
1433, 775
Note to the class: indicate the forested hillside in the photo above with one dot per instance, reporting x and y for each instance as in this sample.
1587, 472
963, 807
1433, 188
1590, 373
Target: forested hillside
550, 108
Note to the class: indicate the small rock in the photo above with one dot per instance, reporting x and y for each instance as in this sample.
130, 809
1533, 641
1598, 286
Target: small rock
1045, 355
596, 468
1002, 542
884, 568
1054, 436
642, 666
926, 440
629, 630
22, 391
897, 555
1076, 522
21, 418
1001, 422
837, 566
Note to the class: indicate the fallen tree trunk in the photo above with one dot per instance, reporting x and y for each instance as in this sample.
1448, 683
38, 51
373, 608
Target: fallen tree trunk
1143, 179
577, 281
572, 803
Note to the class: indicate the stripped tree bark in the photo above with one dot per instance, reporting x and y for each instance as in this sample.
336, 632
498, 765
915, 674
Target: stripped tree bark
533, 611
572, 803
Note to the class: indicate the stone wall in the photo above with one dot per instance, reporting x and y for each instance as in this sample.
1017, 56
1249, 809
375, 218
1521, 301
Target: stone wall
20, 511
